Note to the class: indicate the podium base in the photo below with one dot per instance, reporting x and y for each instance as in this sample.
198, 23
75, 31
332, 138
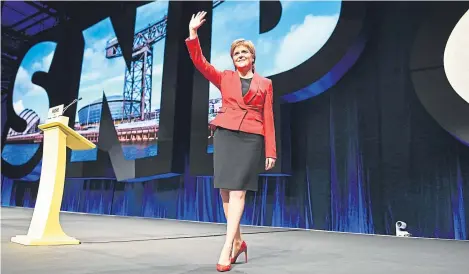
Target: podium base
61, 240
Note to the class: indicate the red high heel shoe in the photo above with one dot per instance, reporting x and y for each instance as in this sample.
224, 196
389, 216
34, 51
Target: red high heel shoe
243, 248
223, 268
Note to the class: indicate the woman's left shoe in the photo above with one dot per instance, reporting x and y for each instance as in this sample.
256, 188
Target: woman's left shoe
243, 248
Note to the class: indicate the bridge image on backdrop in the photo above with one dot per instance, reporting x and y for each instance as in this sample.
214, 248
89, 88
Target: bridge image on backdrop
135, 122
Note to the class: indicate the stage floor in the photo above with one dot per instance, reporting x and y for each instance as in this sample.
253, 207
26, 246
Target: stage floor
137, 245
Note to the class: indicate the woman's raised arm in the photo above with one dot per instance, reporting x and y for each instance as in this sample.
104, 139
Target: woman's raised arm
195, 51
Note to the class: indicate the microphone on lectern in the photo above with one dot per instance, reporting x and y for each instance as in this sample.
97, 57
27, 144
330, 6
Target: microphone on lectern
73, 102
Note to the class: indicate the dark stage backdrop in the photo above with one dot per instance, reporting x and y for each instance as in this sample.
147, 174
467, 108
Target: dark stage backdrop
365, 154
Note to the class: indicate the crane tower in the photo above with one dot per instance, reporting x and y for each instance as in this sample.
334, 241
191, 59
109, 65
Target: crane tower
138, 80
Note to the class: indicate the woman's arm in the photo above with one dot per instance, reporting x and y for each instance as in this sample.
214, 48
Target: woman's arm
269, 125
195, 51
202, 65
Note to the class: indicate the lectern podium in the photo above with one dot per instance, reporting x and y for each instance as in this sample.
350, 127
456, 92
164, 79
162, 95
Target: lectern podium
45, 228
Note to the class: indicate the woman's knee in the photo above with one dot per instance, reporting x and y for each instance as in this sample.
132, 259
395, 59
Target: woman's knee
237, 194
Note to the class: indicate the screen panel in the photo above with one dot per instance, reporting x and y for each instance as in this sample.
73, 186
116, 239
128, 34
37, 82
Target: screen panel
133, 95
168, 160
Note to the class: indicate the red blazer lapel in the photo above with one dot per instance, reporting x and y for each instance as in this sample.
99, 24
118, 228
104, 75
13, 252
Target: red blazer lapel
236, 93
235, 90
253, 89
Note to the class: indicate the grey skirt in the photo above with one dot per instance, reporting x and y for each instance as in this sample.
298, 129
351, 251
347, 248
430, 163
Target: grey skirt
237, 159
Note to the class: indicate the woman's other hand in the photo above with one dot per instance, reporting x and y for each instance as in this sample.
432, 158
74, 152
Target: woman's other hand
269, 163
197, 20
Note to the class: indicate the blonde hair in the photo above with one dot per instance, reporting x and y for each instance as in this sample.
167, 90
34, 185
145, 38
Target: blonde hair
246, 43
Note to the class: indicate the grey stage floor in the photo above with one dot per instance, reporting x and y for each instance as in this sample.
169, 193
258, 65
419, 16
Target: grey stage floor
137, 245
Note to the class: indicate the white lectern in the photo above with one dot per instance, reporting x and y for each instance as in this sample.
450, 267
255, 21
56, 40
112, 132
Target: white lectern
45, 228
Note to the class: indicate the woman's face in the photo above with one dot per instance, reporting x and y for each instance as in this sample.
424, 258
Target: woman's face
242, 57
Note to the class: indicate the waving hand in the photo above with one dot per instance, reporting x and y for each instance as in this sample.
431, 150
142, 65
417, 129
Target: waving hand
197, 20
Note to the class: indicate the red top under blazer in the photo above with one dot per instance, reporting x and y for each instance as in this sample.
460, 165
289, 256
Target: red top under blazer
250, 113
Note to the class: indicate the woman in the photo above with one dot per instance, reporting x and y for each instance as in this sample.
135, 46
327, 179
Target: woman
244, 124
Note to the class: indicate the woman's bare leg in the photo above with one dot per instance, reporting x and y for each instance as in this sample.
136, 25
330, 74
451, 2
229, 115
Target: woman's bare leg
225, 197
235, 209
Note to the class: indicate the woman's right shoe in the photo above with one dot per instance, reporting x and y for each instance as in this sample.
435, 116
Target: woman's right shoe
223, 268
243, 248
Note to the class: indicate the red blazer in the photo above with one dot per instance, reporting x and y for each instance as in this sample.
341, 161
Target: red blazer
251, 113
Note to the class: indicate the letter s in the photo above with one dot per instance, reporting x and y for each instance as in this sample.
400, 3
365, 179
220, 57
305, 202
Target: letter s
27, 106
